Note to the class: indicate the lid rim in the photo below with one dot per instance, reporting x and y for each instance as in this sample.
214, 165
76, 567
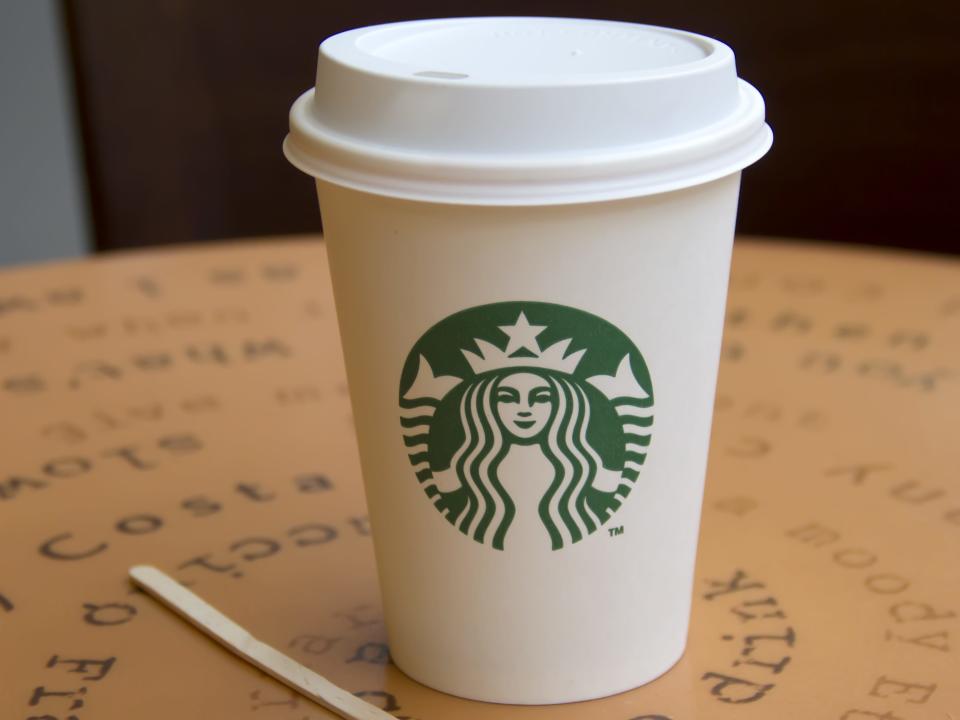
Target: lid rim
530, 194
303, 126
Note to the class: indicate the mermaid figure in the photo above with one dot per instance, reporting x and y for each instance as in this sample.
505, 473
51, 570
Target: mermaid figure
521, 402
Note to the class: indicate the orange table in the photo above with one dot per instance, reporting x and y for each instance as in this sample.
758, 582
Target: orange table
187, 408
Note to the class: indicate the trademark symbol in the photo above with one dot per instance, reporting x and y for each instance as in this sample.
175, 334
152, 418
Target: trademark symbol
615, 531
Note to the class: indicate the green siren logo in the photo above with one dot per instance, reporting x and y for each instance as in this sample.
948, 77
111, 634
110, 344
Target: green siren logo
532, 399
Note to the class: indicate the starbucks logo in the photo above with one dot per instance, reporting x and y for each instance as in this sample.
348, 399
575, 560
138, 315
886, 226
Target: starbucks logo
515, 398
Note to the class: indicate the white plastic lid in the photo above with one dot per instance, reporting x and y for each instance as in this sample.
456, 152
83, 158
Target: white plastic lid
524, 111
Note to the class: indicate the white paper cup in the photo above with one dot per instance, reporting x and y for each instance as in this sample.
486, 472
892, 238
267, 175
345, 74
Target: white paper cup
529, 224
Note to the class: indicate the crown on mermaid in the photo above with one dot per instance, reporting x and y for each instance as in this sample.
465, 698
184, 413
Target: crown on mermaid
523, 351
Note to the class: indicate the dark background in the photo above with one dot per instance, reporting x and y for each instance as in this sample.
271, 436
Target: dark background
183, 107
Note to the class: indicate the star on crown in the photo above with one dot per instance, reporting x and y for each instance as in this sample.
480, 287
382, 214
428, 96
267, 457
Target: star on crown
523, 350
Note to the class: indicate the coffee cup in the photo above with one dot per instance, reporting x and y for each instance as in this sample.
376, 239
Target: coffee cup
529, 224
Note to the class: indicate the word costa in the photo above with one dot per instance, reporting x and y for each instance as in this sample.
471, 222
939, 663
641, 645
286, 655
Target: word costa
66, 546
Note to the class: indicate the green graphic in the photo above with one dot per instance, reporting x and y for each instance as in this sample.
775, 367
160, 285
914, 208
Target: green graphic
486, 389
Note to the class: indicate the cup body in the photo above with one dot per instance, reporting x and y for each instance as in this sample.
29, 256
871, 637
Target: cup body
527, 620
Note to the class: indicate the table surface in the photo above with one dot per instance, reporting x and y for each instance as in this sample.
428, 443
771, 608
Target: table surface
188, 409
